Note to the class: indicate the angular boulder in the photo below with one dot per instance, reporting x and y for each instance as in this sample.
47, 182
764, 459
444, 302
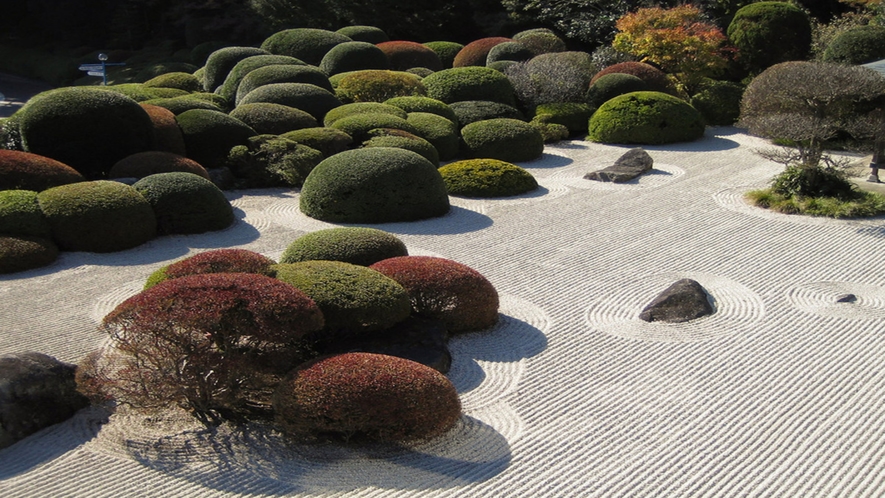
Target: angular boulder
630, 165
683, 301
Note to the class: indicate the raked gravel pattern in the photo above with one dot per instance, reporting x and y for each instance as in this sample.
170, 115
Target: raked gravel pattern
779, 393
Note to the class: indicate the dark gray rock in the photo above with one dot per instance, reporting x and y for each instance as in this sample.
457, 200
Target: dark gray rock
36, 391
846, 298
632, 164
683, 301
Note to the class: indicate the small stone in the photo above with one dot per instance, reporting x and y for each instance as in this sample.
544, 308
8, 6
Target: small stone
630, 165
683, 301
846, 298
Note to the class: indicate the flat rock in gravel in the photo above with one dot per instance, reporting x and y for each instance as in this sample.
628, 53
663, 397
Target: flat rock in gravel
683, 301
630, 165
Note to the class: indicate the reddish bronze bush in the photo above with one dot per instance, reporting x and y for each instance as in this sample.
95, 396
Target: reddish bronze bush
476, 52
217, 261
403, 55
26, 171
148, 163
167, 134
653, 77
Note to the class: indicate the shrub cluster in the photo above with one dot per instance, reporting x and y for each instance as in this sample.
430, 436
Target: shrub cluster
391, 137
215, 261
272, 161
476, 52
284, 73
20, 214
310, 98
346, 110
471, 111
210, 135
307, 44
656, 79
359, 125
24, 252
328, 141
857, 46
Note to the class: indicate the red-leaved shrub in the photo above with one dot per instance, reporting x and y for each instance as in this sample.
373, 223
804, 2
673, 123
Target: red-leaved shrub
216, 261
655, 78
167, 134
142, 164
403, 55
476, 52
366, 395
445, 290
26, 171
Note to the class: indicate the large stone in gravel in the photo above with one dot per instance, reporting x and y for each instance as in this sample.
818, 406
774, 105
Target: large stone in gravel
683, 301
632, 164
36, 391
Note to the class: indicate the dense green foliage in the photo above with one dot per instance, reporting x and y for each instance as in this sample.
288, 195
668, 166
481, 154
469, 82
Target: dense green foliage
645, 118
719, 102
508, 51
767, 33
328, 141
285, 73
306, 44
180, 104
210, 135
439, 131
355, 245
368, 34
857, 46
185, 203
551, 77
486, 178
469, 83
221, 61
274, 119
181, 81
26, 171
231, 82
166, 133
423, 104
359, 125
20, 214
446, 51
374, 85
471, 111
540, 41
362, 108
573, 116
391, 137
310, 98
20, 253
653, 77
143, 164
353, 56
611, 85
506, 139
272, 161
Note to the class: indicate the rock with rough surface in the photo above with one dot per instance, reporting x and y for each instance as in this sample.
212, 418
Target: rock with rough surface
632, 164
683, 301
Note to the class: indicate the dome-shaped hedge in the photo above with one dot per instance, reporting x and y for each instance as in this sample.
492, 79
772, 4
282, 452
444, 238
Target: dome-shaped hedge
355, 245
445, 290
310, 98
390, 137
446, 51
274, 119
508, 51
374, 185
359, 125
353, 56
424, 104
20, 253
471, 111
486, 178
210, 135
87, 129
178, 105
437, 130
476, 52
372, 85
502, 138
540, 41
362, 108
181, 81
228, 88
26, 171
152, 162
20, 214
215, 261
307, 44
766, 33
404, 55
368, 34
611, 85
328, 141
653, 77
719, 102
220, 62
167, 134
470, 83
366, 395
353, 298
185, 203
645, 118
272, 161
282, 73
857, 46
572, 115
98, 216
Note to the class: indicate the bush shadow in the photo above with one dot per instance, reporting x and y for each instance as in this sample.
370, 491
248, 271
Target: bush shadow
547, 160
457, 220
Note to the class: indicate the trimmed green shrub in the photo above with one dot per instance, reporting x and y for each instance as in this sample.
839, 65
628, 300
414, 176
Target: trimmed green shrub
469, 83
228, 88
508, 51
210, 135
136, 91
857, 46
20, 214
766, 33
20, 253
167, 134
87, 129
272, 161
446, 51
181, 81
213, 98
359, 125
355, 245
506, 139
98, 216
442, 289
476, 52
645, 118
152, 162
26, 171
442, 133
185, 203
281, 74
376, 185
390, 137
611, 85
719, 102
424, 104
471, 111
274, 119
501, 66
421, 72
307, 44
486, 178
368, 34
374, 85
215, 261
366, 396
207, 343
10, 134
550, 131
572, 115
310, 98
178, 105
656, 79
220, 62
540, 41
353, 56
403, 55
353, 298
328, 141
151, 71
362, 108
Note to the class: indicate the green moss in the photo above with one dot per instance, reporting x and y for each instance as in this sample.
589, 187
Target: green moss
185, 203
486, 178
359, 125
470, 83
20, 214
310, 98
355, 245
307, 44
20, 253
439, 131
353, 56
274, 119
362, 108
504, 139
378, 86
210, 135
328, 141
645, 118
272, 161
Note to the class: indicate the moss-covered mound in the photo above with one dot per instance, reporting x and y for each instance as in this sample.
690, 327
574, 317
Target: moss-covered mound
283, 73
502, 138
857, 46
20, 253
359, 125
656, 79
611, 85
26, 171
486, 178
272, 161
274, 119
390, 137
178, 80
87, 129
216, 261
307, 44
446, 51
210, 135
20, 214
375, 185
445, 290
362, 108
767, 33
98, 216
149, 163
353, 56
476, 52
353, 298
378, 85
470, 83
645, 118
719, 102
220, 62
404, 55
471, 111
572, 115
355, 245
185, 203
167, 134
439, 131
328, 141
309, 98
368, 34
424, 104
366, 396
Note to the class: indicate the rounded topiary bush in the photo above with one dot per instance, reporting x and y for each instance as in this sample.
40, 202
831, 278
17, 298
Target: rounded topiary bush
353, 56
22, 252
355, 245
98, 216
767, 33
365, 395
471, 111
20, 214
181, 81
446, 51
368, 34
178, 105
353, 298
445, 290
274, 119
149, 163
653, 77
645, 118
228, 88
572, 115
540, 41
719, 102
486, 178
508, 51
210, 135
441, 132
220, 62
215, 261
551, 77
272, 161
611, 85
502, 138
359, 125
167, 134
87, 129
328, 141
185, 203
404, 55
283, 73
307, 44
375, 185
858, 45
309, 98
362, 108
470, 83
152, 70
26, 171
424, 104
138, 92
378, 85
390, 137
476, 52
